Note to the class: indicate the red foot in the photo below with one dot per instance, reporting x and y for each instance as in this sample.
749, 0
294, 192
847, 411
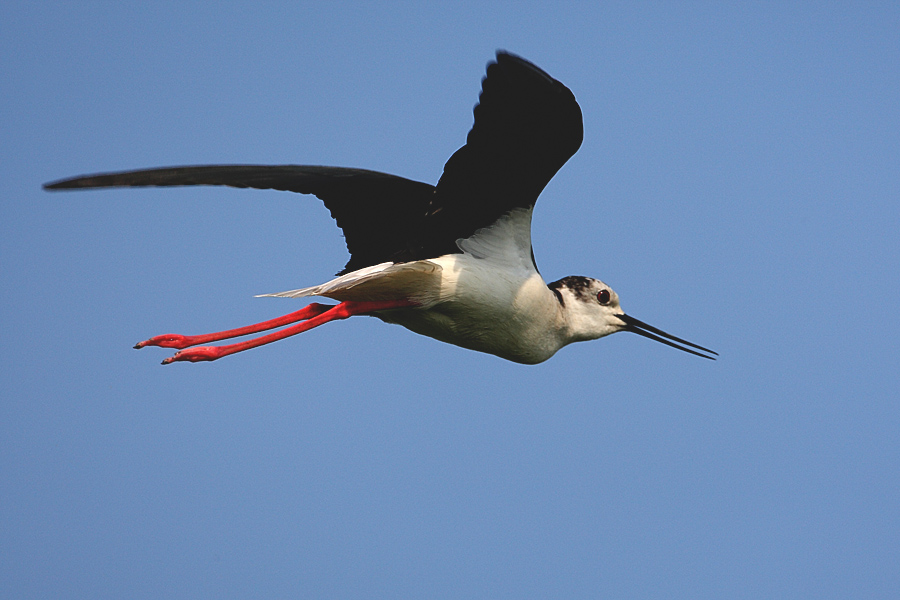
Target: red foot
198, 354
168, 340
313, 316
173, 340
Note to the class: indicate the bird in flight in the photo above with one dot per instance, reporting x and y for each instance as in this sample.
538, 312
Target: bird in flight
453, 261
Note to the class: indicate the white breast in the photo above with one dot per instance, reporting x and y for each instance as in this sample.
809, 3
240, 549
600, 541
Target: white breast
491, 298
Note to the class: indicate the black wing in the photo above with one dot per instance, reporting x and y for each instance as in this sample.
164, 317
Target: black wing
379, 213
527, 125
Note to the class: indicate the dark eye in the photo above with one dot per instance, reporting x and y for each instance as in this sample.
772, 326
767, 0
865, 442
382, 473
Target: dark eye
603, 297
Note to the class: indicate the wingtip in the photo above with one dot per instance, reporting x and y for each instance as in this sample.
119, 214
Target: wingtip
74, 183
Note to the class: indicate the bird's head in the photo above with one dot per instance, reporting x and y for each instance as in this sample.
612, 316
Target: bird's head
592, 311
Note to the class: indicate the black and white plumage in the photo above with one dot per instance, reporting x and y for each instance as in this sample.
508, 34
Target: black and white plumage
452, 261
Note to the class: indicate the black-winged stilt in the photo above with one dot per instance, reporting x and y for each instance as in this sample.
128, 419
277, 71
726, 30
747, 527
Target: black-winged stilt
453, 261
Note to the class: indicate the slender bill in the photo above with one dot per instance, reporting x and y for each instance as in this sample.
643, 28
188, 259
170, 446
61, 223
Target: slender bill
648, 331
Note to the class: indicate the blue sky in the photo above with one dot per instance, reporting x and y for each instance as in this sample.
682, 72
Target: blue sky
738, 186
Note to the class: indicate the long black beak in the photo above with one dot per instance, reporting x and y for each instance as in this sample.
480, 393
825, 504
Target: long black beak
648, 331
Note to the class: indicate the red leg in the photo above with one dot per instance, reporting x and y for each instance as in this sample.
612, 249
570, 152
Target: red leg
173, 340
341, 311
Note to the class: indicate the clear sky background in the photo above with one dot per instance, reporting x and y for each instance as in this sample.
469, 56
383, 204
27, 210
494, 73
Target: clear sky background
739, 186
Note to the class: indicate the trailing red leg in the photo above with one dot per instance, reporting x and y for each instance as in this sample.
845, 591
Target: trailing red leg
173, 340
341, 311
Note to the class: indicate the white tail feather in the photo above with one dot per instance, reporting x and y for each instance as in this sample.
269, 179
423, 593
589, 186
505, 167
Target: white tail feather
382, 281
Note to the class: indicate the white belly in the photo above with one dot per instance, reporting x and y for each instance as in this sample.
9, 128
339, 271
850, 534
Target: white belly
506, 313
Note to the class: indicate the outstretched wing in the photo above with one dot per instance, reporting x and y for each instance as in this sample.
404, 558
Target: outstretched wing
377, 212
527, 125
